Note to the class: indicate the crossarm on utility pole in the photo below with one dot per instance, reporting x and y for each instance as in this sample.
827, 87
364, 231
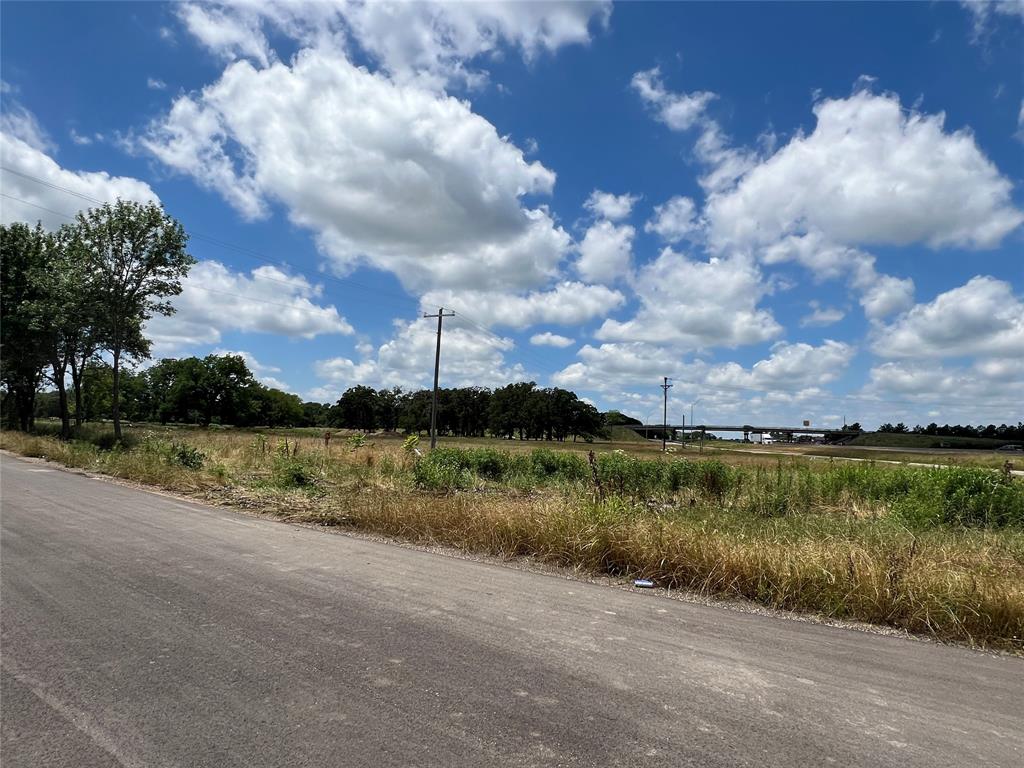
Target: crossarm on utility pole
441, 315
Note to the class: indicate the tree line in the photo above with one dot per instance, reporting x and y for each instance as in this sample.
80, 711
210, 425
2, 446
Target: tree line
86, 289
521, 410
1001, 432
217, 389
221, 390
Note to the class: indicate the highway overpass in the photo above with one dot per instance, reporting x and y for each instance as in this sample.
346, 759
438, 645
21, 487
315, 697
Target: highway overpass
746, 429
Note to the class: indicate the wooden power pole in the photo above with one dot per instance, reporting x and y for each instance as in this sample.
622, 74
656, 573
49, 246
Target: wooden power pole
441, 315
664, 413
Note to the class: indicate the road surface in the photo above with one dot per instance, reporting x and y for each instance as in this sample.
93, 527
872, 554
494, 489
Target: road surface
139, 630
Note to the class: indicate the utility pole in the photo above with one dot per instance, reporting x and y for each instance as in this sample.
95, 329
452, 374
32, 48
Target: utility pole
665, 387
441, 315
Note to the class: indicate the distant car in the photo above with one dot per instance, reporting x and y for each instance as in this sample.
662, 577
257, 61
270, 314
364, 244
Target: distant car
1010, 447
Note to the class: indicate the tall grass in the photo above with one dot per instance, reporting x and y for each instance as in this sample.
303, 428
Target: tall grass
921, 496
939, 551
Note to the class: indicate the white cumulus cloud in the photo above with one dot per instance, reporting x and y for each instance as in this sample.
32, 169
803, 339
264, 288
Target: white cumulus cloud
566, 303
605, 205
215, 299
606, 252
548, 339
692, 305
392, 175
870, 172
49, 202
674, 220
434, 43
982, 318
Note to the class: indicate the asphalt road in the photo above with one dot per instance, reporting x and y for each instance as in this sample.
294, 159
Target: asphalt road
138, 630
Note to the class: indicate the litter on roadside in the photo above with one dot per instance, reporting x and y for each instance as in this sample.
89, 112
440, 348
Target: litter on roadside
645, 583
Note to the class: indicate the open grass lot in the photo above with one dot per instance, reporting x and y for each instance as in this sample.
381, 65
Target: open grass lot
912, 440
934, 551
952, 457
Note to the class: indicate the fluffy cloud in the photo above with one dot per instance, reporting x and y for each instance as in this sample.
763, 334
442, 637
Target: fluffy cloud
50, 204
679, 111
820, 316
429, 42
606, 252
988, 391
392, 175
791, 367
784, 386
870, 172
693, 305
19, 123
215, 299
468, 358
228, 31
548, 339
683, 111
608, 206
885, 295
567, 303
340, 373
982, 318
674, 220
881, 295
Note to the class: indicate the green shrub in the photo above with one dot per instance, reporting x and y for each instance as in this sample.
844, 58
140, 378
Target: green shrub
488, 463
291, 472
966, 497
106, 441
561, 465
714, 477
185, 455
443, 469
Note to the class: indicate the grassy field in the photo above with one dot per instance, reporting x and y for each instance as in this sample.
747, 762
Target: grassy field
934, 551
894, 440
961, 458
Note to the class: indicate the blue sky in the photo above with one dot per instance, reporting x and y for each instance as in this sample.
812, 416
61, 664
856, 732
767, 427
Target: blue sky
796, 211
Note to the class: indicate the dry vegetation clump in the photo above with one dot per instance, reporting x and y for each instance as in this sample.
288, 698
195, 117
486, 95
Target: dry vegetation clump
930, 551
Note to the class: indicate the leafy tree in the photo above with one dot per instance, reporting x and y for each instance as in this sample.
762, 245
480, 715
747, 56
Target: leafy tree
22, 331
414, 415
274, 408
223, 387
314, 414
357, 409
137, 255
97, 389
64, 312
387, 405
